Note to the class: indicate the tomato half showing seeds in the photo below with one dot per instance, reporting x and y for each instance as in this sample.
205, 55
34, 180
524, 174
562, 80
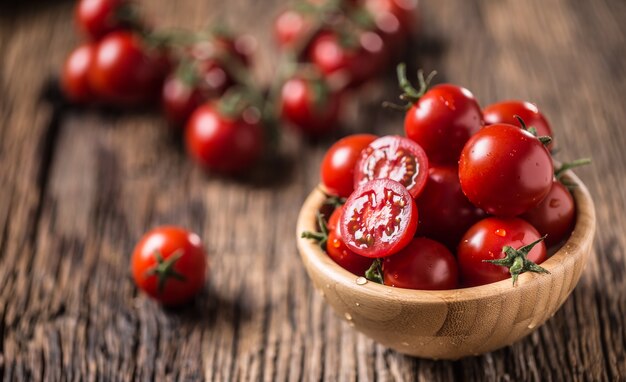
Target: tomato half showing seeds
423, 264
169, 264
337, 169
339, 252
396, 158
505, 112
379, 219
555, 215
485, 241
505, 170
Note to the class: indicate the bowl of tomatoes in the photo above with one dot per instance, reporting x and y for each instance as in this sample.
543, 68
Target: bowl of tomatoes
457, 239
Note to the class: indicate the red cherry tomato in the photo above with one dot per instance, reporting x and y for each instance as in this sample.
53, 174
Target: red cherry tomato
75, 76
169, 264
222, 143
339, 252
485, 240
357, 64
445, 212
125, 72
395, 158
555, 215
310, 105
505, 170
290, 27
379, 219
337, 170
423, 264
404, 10
179, 99
505, 112
442, 120
96, 18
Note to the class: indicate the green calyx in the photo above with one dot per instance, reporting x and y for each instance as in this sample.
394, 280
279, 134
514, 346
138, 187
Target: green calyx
546, 140
375, 272
410, 94
517, 260
558, 173
164, 269
322, 236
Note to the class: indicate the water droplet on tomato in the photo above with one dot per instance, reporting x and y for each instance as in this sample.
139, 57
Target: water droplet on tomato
361, 280
500, 232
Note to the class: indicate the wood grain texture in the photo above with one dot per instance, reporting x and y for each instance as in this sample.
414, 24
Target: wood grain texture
79, 188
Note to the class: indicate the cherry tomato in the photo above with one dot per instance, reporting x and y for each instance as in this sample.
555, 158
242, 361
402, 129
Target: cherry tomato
379, 219
555, 215
505, 170
395, 158
423, 264
75, 76
445, 212
337, 170
179, 99
505, 112
96, 18
125, 72
169, 264
357, 63
442, 120
290, 27
310, 105
485, 240
223, 143
404, 10
339, 252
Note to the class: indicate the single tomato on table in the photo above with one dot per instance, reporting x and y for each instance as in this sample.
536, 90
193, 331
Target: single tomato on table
379, 219
505, 170
486, 240
169, 264
337, 169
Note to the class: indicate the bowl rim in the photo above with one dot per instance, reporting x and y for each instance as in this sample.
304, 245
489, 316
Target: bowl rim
566, 256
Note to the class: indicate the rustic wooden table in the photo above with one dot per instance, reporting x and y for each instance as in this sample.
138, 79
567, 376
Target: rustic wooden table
78, 188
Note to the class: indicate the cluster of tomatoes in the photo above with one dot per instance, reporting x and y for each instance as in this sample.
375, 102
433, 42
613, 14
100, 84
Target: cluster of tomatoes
468, 197
203, 80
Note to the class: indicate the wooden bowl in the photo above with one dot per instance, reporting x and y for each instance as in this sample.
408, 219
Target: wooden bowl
454, 323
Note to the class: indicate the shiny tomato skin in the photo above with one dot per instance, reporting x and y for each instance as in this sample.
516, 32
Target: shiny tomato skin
505, 112
404, 10
396, 158
221, 143
339, 252
337, 169
358, 64
555, 215
423, 264
505, 170
290, 27
125, 72
170, 241
445, 212
308, 115
75, 75
179, 100
485, 240
96, 18
379, 219
442, 121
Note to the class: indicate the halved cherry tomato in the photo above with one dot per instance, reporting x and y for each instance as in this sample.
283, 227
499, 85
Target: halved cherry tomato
423, 264
379, 219
75, 76
555, 215
339, 252
505, 112
442, 121
169, 264
505, 170
223, 143
337, 170
485, 241
445, 212
310, 105
396, 158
